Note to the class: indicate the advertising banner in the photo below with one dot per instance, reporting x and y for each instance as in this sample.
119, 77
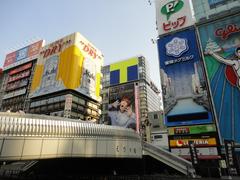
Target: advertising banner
21, 68
23, 55
68, 63
198, 129
229, 148
220, 42
122, 108
173, 15
193, 153
203, 142
124, 71
185, 94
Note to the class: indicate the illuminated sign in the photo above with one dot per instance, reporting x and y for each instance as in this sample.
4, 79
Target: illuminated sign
173, 15
225, 32
69, 63
124, 71
185, 95
21, 68
192, 129
220, 43
19, 76
181, 130
198, 142
23, 55
200, 151
17, 84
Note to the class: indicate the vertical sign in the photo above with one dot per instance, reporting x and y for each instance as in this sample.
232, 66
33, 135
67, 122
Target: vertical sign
229, 147
68, 106
185, 94
193, 153
136, 94
220, 42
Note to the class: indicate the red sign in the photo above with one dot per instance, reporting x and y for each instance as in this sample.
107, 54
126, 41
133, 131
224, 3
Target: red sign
170, 25
19, 76
10, 58
21, 68
184, 130
35, 48
225, 32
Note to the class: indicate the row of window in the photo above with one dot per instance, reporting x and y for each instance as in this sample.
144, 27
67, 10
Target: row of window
47, 101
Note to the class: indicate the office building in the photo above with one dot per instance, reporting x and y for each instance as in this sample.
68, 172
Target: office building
129, 78
17, 75
67, 78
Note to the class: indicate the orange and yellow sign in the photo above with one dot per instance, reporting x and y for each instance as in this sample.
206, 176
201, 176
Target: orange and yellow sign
198, 142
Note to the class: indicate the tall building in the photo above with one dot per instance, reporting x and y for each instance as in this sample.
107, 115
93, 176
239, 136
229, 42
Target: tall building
17, 77
67, 78
129, 78
213, 9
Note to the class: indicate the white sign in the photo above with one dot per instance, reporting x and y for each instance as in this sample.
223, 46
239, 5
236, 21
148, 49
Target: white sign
200, 151
173, 15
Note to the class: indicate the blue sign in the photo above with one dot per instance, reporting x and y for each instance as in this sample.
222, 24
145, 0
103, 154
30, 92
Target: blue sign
214, 2
22, 54
185, 94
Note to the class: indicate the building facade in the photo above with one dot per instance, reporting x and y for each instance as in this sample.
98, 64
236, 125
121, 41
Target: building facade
129, 78
67, 78
213, 9
17, 77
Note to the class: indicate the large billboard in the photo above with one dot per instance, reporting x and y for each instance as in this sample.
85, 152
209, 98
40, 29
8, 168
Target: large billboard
124, 71
220, 42
23, 55
123, 106
185, 94
68, 63
173, 15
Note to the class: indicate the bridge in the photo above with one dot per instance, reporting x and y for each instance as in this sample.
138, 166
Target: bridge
34, 137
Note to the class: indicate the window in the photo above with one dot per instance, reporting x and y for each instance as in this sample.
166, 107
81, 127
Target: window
155, 116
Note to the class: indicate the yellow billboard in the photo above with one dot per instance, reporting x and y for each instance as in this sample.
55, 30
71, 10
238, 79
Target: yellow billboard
68, 63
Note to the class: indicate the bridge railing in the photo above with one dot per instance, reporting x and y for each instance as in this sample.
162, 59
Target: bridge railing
16, 124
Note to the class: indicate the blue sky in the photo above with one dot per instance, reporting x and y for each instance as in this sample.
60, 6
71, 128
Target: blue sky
119, 28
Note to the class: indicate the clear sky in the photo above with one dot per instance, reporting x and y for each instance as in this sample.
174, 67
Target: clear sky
119, 28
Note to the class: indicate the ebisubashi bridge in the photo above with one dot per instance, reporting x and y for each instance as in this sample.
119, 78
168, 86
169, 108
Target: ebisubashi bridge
35, 137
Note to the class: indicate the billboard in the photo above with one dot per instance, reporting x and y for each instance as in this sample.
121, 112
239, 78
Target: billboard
21, 68
214, 3
185, 94
209, 151
123, 106
68, 63
205, 141
173, 15
23, 55
124, 71
186, 130
220, 42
